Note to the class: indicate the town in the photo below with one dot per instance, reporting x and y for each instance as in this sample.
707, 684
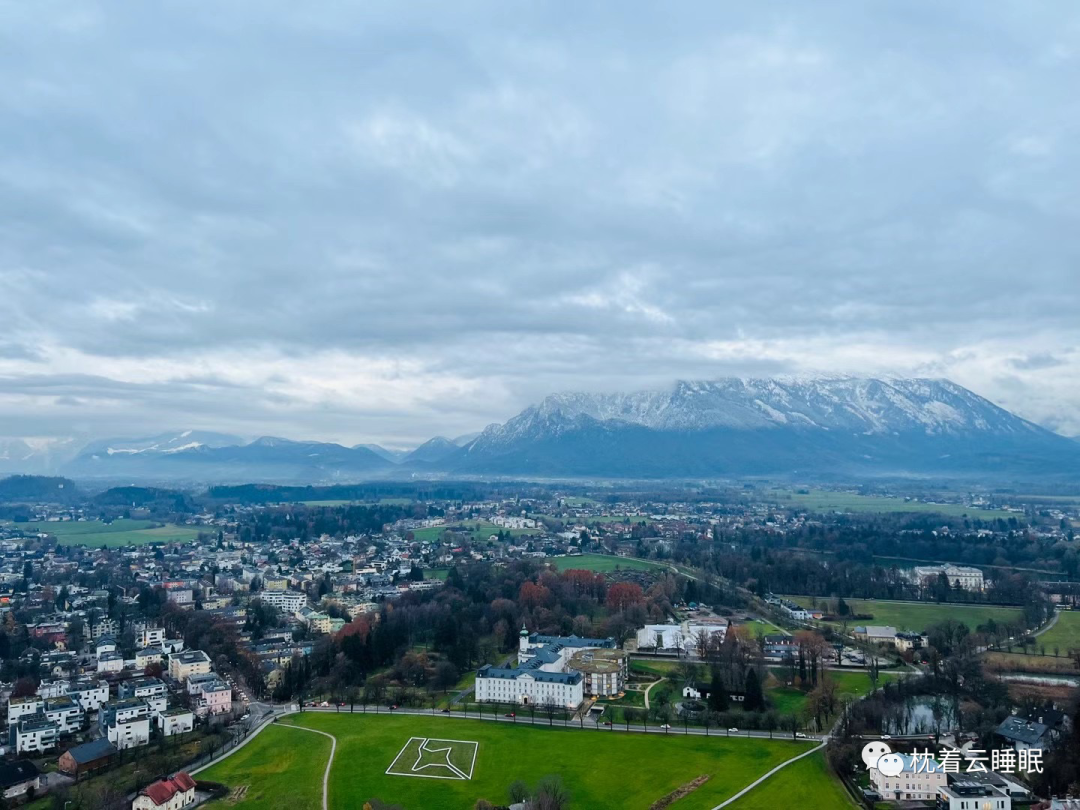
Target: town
128, 661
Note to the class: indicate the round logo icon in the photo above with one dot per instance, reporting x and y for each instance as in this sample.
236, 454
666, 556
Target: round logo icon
873, 751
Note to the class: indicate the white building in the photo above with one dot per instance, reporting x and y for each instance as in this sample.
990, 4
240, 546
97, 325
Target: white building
90, 694
920, 780
129, 733
151, 637
110, 662
962, 795
34, 733
19, 707
287, 601
963, 576
175, 721
545, 676
664, 636
66, 712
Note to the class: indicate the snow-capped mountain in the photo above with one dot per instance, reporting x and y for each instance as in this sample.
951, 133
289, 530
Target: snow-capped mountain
36, 455
212, 457
770, 426
172, 442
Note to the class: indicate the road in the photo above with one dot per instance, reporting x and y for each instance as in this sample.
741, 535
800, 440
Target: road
590, 724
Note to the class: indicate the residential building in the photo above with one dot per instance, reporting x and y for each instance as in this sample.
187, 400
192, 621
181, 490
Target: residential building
90, 693
19, 707
920, 780
213, 697
962, 795
110, 662
175, 721
185, 664
286, 601
66, 712
33, 733
126, 722
143, 688
166, 794
18, 778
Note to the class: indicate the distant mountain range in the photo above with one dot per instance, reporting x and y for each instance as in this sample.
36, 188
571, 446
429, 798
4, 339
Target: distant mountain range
811, 428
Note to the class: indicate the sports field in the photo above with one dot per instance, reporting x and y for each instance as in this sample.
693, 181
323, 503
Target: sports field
418, 762
118, 533
603, 563
917, 616
818, 500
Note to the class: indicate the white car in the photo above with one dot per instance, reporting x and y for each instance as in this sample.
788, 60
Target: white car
665, 726
733, 731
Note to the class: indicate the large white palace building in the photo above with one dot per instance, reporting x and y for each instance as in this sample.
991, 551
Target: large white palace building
555, 671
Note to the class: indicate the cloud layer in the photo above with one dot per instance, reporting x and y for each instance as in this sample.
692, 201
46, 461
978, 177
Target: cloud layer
382, 221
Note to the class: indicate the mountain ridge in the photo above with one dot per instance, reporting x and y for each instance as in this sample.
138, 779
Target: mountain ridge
728, 427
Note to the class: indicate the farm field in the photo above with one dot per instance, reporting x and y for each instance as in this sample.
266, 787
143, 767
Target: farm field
602, 563
1065, 634
118, 533
289, 780
825, 501
809, 779
917, 616
595, 774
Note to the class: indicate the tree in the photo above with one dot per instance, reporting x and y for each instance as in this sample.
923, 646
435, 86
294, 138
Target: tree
754, 700
551, 794
622, 595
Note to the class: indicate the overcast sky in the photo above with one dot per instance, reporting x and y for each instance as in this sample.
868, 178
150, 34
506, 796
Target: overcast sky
367, 221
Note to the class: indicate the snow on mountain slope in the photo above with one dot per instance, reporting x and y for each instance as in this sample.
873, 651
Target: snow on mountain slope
849, 404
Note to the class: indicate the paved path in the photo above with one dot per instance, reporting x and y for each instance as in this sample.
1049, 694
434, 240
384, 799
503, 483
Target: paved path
329, 762
649, 689
1048, 625
771, 773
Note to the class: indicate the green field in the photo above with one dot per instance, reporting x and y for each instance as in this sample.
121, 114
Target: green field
118, 533
808, 779
291, 779
917, 616
817, 500
603, 563
478, 530
1065, 634
849, 686
283, 771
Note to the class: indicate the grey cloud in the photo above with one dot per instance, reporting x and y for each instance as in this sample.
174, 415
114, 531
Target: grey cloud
527, 199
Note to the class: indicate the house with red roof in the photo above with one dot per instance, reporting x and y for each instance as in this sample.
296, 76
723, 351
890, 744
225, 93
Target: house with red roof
166, 794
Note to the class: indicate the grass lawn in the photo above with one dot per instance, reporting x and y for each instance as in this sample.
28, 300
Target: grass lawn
917, 616
818, 500
657, 669
849, 686
625, 770
603, 563
757, 628
808, 779
118, 533
291, 779
1065, 635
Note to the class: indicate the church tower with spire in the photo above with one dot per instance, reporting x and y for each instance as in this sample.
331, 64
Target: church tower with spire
523, 641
